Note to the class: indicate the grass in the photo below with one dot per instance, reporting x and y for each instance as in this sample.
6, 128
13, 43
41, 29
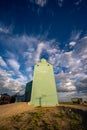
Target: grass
67, 103
53, 118
16, 118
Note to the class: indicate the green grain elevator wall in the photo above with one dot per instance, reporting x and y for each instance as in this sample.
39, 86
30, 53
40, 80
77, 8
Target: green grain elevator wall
44, 88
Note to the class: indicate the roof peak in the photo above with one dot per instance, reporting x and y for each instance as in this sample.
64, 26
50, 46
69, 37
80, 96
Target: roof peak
43, 60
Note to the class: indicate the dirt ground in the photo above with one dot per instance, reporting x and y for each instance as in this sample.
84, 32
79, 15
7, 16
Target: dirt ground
13, 109
18, 108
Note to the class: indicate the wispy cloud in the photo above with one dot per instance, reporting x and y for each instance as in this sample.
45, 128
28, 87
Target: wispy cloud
78, 2
60, 3
5, 29
41, 3
14, 64
75, 35
2, 62
40, 47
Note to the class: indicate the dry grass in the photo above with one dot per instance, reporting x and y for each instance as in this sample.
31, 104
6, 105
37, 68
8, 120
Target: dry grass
20, 116
76, 106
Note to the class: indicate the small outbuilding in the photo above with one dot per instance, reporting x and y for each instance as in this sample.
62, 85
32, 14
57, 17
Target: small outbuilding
76, 100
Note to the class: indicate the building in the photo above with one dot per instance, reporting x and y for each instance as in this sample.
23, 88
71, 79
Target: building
20, 98
4, 98
76, 100
43, 86
28, 90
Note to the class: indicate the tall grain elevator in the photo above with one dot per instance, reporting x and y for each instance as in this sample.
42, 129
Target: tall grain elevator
43, 88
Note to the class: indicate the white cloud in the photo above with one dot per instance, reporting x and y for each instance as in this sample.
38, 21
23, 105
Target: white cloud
4, 74
65, 84
41, 3
72, 43
75, 35
10, 55
66, 96
4, 29
80, 52
29, 69
14, 64
40, 47
10, 85
22, 78
76, 62
2, 62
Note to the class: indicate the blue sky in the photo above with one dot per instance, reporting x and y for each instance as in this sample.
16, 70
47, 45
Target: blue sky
51, 29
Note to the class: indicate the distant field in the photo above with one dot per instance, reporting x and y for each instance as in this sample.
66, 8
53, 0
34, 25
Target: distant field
20, 116
70, 103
